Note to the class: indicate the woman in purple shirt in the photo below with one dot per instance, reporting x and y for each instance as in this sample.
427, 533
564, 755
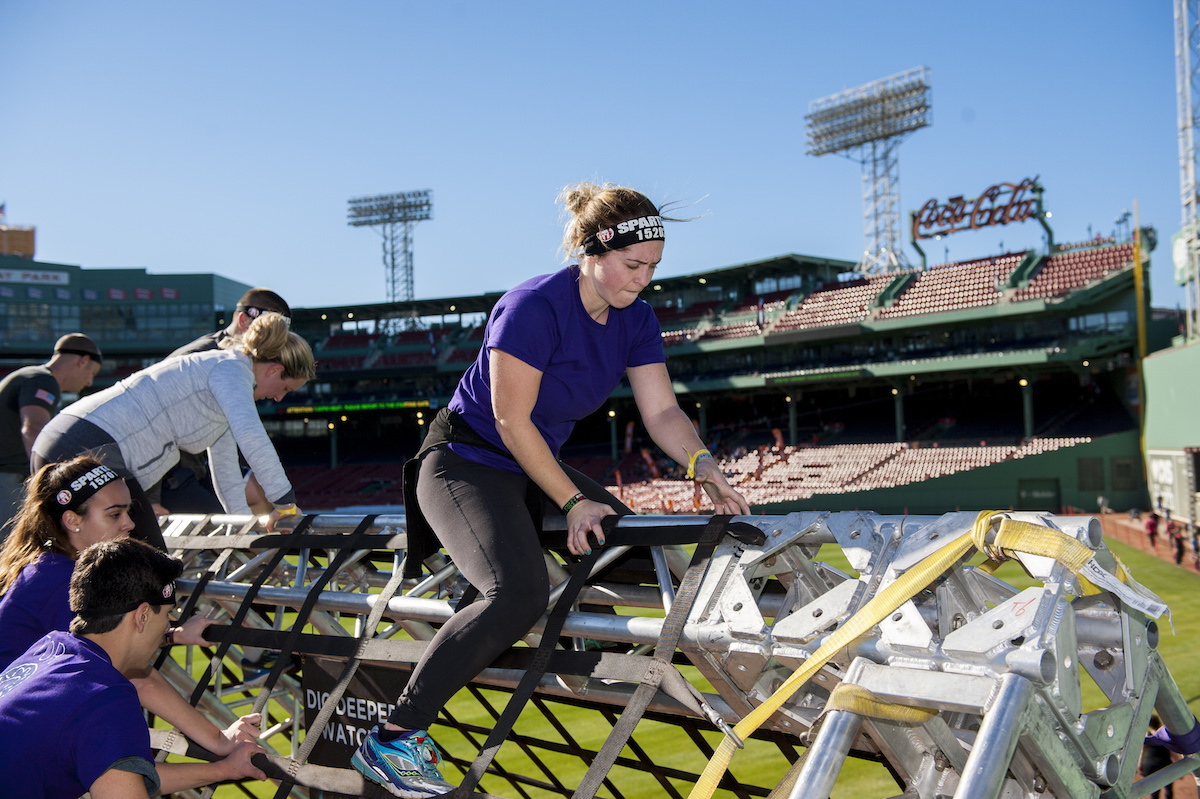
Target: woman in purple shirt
68, 507
37, 558
554, 349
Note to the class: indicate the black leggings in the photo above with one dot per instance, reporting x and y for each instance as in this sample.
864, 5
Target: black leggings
481, 519
70, 437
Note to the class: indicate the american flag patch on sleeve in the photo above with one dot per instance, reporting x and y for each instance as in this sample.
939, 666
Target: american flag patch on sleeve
44, 396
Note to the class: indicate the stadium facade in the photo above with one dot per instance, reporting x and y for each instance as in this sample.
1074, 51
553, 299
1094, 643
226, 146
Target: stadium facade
136, 317
1006, 381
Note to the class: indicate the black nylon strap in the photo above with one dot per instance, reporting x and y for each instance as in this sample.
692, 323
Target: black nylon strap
469, 595
531, 677
247, 602
310, 601
306, 643
617, 535
313, 734
668, 640
189, 607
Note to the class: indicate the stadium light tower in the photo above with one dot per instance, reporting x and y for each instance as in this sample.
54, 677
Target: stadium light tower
1187, 89
867, 124
395, 215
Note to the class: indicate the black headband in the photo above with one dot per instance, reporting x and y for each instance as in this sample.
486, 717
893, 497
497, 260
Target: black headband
93, 355
623, 234
165, 597
82, 488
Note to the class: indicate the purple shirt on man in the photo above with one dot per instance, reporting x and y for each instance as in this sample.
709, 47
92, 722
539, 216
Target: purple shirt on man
37, 602
66, 717
543, 323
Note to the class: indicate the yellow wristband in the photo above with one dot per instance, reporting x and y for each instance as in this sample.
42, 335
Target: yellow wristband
288, 510
700, 453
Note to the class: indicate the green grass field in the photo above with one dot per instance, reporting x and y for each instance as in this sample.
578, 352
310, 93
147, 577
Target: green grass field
761, 763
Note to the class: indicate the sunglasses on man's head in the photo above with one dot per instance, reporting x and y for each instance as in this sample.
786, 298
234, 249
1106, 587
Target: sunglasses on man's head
254, 312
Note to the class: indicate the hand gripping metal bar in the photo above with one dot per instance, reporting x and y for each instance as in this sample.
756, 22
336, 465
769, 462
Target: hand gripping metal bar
672, 629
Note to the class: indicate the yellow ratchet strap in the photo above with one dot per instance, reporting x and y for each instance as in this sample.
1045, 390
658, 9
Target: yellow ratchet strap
858, 700
1035, 539
861, 702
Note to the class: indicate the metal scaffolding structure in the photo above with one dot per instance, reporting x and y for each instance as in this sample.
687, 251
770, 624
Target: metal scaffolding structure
867, 124
1187, 88
960, 683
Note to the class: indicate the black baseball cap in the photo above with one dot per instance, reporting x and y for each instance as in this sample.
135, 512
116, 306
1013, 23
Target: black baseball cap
79, 344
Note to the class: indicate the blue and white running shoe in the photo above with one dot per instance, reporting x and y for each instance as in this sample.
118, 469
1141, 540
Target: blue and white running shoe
406, 767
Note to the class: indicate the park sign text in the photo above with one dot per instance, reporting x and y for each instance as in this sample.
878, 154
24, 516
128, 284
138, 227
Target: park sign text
997, 205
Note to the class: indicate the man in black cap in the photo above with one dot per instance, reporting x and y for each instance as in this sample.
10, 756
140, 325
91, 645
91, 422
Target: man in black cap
28, 398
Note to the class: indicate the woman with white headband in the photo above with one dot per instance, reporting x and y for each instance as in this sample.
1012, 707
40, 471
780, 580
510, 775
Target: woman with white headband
554, 349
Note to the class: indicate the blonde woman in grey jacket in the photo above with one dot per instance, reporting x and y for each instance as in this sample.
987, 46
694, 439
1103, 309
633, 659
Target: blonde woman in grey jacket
199, 402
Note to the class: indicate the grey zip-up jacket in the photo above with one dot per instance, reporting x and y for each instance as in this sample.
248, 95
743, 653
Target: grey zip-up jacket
193, 403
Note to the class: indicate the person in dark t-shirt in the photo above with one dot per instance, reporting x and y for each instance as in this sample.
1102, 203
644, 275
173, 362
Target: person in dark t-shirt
29, 397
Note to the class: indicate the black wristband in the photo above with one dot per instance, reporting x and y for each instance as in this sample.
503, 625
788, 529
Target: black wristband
572, 502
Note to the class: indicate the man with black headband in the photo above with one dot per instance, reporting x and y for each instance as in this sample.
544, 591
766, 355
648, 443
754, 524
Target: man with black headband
29, 397
68, 714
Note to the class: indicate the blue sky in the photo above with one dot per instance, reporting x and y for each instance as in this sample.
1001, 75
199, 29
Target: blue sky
227, 137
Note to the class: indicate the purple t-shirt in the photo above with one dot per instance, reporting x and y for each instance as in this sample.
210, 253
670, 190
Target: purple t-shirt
543, 323
38, 602
67, 716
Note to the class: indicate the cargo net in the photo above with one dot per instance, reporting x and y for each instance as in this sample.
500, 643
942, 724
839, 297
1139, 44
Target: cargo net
700, 656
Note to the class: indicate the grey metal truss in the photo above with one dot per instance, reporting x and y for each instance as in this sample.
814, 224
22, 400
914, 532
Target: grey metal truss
999, 667
881, 207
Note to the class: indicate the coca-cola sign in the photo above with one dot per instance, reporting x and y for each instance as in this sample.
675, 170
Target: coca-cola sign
997, 205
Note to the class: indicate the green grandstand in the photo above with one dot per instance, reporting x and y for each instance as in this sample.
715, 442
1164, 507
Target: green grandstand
1006, 381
